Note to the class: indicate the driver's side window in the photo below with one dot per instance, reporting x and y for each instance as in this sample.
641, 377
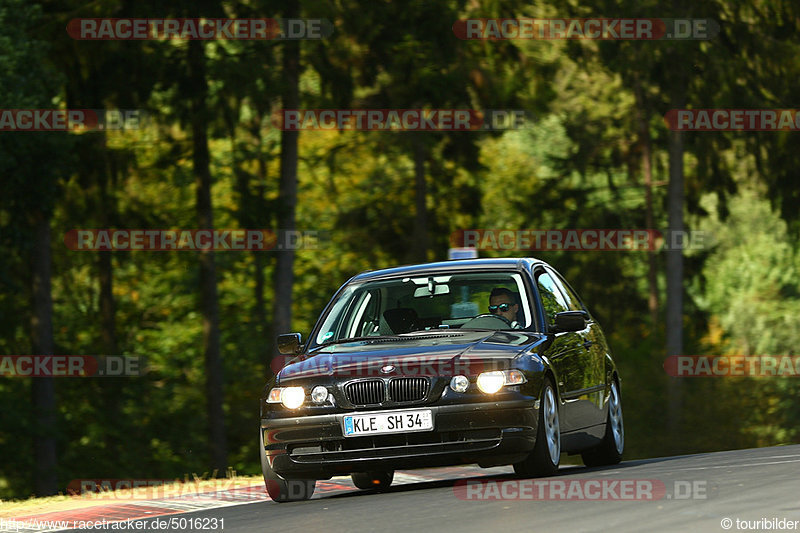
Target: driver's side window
552, 299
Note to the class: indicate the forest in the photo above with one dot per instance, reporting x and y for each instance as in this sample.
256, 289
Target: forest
207, 134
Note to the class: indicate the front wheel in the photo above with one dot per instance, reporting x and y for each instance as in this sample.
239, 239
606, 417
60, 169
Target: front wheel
546, 454
280, 489
609, 451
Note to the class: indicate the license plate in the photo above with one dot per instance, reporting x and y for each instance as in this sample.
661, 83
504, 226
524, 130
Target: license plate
387, 422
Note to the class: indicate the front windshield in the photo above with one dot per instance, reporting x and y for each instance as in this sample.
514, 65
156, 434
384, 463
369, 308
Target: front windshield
491, 301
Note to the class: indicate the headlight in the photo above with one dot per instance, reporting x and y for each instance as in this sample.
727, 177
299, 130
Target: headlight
290, 397
293, 397
319, 394
491, 382
459, 383
274, 395
514, 377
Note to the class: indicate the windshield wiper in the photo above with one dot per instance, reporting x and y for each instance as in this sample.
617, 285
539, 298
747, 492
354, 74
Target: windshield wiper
360, 339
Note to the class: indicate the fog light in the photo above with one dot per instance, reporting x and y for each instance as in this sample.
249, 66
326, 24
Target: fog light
293, 397
319, 394
491, 382
459, 383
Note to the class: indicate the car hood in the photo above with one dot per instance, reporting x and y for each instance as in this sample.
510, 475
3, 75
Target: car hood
425, 353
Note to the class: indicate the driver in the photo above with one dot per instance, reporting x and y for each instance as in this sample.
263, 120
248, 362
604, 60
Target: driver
502, 302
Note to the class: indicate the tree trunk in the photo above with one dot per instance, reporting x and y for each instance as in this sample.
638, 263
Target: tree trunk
259, 260
676, 89
111, 387
287, 195
208, 276
420, 246
647, 178
107, 308
675, 278
43, 389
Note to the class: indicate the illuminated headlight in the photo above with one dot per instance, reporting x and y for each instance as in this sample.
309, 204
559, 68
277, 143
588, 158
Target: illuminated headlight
491, 382
290, 397
319, 394
459, 383
293, 397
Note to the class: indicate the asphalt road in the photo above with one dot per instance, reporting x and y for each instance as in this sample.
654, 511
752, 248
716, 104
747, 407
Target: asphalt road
686, 493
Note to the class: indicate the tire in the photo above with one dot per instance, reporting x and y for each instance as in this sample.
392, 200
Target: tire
280, 489
546, 455
609, 451
290, 490
373, 480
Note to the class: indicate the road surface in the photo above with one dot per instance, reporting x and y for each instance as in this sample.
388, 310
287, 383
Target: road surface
687, 493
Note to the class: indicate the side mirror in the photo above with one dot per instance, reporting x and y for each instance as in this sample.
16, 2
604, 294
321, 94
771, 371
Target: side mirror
569, 321
289, 343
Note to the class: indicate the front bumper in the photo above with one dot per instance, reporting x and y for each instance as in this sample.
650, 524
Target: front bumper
487, 433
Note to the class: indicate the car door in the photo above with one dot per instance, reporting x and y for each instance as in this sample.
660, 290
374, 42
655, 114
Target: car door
566, 351
589, 386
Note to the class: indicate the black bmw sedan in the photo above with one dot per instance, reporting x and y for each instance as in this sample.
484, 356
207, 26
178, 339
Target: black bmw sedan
487, 361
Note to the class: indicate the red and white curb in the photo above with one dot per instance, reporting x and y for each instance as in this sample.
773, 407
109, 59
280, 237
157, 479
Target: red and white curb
187, 503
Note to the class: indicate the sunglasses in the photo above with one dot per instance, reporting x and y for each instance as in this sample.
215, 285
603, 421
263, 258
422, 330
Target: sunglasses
502, 308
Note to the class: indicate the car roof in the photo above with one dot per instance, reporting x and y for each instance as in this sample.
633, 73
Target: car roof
462, 265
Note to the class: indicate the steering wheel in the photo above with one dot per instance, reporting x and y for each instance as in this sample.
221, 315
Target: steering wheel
466, 324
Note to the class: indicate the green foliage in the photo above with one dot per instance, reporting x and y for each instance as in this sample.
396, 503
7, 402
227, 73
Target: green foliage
576, 165
753, 294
